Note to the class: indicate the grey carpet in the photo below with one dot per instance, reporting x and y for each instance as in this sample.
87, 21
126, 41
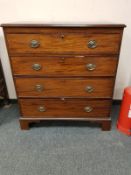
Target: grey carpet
62, 148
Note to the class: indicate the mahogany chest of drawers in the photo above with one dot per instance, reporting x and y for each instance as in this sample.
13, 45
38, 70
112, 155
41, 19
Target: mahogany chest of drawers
64, 72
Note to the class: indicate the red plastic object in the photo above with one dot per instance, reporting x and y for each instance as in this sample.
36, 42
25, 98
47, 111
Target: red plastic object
124, 120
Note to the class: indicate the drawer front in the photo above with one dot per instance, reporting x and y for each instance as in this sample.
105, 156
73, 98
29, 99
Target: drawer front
53, 87
72, 43
64, 66
53, 108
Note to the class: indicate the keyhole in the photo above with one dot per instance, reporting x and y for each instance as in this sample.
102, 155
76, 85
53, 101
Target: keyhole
62, 36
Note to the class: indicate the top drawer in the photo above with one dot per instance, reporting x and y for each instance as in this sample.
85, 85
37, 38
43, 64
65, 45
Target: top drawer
63, 42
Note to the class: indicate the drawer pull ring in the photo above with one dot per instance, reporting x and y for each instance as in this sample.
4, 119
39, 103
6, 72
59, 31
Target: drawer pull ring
89, 89
88, 109
92, 44
39, 88
36, 67
34, 44
42, 109
90, 66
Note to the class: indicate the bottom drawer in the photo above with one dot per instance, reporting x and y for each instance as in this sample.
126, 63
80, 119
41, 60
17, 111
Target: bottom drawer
65, 108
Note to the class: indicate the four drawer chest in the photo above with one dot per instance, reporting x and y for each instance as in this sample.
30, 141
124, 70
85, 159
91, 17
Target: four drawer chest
64, 72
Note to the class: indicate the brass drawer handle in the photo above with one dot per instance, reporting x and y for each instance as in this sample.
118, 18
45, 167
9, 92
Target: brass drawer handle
89, 89
41, 109
36, 66
34, 44
88, 109
39, 88
91, 67
92, 44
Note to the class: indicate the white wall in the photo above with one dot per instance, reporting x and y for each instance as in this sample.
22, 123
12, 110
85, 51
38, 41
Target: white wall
71, 11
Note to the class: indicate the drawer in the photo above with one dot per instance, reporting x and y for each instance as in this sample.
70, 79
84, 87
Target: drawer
55, 87
63, 42
64, 66
67, 108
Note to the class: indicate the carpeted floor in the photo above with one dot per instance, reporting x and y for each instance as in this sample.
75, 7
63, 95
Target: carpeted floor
62, 148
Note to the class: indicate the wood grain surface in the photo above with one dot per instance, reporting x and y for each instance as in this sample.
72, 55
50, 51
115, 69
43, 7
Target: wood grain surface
64, 66
56, 87
71, 43
64, 108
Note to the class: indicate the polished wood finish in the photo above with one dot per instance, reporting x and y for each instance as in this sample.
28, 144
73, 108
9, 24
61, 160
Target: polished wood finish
106, 125
65, 108
104, 122
63, 42
60, 88
24, 124
64, 66
67, 87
